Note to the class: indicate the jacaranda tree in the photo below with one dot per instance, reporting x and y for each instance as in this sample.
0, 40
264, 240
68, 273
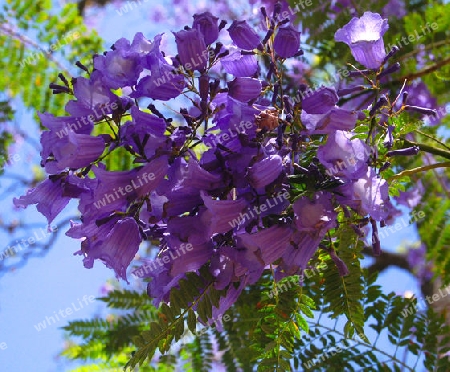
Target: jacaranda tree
254, 178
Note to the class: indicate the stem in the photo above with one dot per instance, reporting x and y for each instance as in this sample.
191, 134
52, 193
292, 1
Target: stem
427, 70
420, 169
432, 138
427, 148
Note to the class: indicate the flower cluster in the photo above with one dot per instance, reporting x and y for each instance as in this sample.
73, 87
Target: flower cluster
186, 188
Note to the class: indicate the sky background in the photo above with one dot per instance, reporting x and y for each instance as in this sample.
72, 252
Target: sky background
59, 280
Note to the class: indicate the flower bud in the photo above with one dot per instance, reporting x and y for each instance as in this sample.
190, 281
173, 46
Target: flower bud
244, 89
381, 102
348, 90
206, 23
287, 42
243, 35
390, 70
421, 110
414, 150
393, 51
191, 49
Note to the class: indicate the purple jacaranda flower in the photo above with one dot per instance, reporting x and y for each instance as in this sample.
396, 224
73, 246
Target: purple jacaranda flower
265, 171
93, 98
315, 216
189, 228
221, 212
141, 45
145, 134
336, 119
221, 268
287, 42
226, 302
371, 192
76, 187
243, 35
190, 257
199, 178
246, 261
240, 65
236, 117
271, 242
181, 199
164, 83
116, 190
62, 124
343, 156
412, 197
364, 36
48, 197
72, 151
150, 176
394, 8
191, 49
120, 67
182, 188
149, 123
206, 23
91, 233
417, 260
419, 95
118, 248
244, 89
109, 194
161, 284
297, 256
319, 101
341, 266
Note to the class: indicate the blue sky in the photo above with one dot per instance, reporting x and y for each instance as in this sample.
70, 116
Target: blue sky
59, 281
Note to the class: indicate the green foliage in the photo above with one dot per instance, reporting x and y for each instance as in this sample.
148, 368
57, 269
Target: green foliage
119, 330
37, 44
344, 295
325, 348
434, 231
169, 327
272, 333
